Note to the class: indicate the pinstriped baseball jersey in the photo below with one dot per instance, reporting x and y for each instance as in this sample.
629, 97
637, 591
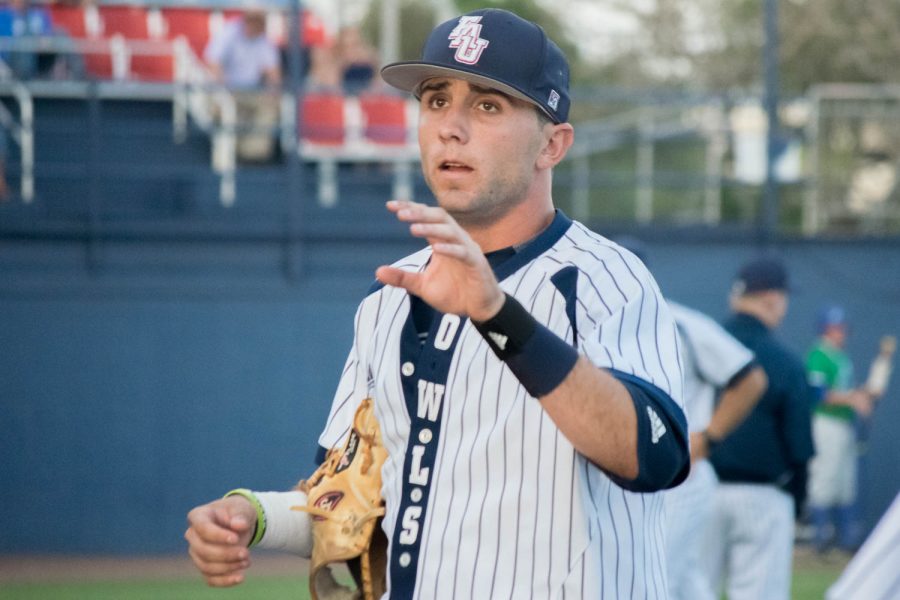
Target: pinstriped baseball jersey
711, 357
485, 498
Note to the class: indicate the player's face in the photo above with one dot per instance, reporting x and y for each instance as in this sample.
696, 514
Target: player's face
479, 148
780, 304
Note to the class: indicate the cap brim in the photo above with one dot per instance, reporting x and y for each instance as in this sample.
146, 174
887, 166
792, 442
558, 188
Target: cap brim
408, 76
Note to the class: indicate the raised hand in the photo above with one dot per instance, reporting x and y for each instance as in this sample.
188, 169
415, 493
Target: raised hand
458, 279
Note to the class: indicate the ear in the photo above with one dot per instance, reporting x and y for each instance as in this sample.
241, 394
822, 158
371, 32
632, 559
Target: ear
558, 139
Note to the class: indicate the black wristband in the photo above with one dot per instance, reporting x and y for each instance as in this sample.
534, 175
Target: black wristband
507, 331
538, 358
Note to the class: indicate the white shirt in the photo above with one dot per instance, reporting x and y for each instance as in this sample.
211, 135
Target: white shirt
243, 60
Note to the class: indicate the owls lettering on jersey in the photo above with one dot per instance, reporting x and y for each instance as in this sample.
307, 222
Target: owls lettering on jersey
431, 367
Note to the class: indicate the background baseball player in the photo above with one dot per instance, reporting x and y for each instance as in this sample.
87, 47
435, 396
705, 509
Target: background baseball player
525, 370
762, 465
832, 472
722, 383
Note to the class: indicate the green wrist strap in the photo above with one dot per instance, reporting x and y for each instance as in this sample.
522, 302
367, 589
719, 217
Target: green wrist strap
260, 514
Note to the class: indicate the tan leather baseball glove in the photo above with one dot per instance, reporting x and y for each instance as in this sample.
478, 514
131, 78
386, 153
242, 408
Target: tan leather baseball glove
345, 504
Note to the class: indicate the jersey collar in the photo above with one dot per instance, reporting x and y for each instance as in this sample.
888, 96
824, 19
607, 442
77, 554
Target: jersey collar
507, 261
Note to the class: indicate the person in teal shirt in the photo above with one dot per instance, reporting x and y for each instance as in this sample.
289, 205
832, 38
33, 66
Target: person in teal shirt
832, 476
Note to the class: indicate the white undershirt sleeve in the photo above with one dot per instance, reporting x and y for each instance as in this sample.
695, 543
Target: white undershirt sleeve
286, 530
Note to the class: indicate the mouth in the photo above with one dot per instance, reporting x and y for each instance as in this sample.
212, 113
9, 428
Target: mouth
451, 166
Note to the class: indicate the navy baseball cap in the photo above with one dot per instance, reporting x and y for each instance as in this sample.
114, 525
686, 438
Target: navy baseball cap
760, 275
494, 48
831, 316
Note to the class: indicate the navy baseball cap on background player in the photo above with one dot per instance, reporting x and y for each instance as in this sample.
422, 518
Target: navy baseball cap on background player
831, 316
493, 48
760, 275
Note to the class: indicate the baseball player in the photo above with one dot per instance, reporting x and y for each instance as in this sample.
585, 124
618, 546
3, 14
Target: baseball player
525, 370
722, 383
762, 465
832, 472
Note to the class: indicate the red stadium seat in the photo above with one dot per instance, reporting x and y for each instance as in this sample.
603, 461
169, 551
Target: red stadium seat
323, 119
192, 23
99, 62
129, 21
384, 118
153, 67
70, 18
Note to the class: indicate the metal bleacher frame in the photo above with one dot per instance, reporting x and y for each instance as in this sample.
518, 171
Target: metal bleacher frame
21, 131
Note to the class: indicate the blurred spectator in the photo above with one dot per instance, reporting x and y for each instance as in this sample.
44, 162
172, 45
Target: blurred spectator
832, 474
324, 73
358, 60
242, 58
21, 19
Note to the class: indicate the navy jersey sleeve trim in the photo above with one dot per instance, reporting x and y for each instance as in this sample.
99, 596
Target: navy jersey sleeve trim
663, 452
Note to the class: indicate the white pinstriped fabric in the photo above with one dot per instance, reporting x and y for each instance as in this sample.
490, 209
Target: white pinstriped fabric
512, 510
711, 357
872, 573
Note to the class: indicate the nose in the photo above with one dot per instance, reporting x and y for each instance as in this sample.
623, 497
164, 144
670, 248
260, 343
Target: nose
454, 124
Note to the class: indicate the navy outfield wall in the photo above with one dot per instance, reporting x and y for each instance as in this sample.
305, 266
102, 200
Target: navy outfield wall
170, 374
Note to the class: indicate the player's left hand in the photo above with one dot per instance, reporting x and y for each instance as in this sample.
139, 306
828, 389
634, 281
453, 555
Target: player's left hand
458, 278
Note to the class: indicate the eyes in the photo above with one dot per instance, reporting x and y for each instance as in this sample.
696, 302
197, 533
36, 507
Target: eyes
438, 101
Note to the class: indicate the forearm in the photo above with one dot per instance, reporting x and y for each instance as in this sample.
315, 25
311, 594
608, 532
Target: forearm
616, 420
735, 403
842, 398
596, 414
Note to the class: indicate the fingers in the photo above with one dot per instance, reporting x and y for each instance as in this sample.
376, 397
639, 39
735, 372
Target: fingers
213, 525
415, 212
398, 278
217, 540
444, 234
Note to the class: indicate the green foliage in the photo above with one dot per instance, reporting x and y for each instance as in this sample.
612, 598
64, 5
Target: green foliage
417, 19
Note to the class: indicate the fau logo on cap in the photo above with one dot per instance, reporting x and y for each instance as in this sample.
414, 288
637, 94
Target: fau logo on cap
465, 37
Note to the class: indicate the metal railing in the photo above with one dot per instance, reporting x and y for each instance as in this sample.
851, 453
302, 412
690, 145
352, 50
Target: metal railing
21, 130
